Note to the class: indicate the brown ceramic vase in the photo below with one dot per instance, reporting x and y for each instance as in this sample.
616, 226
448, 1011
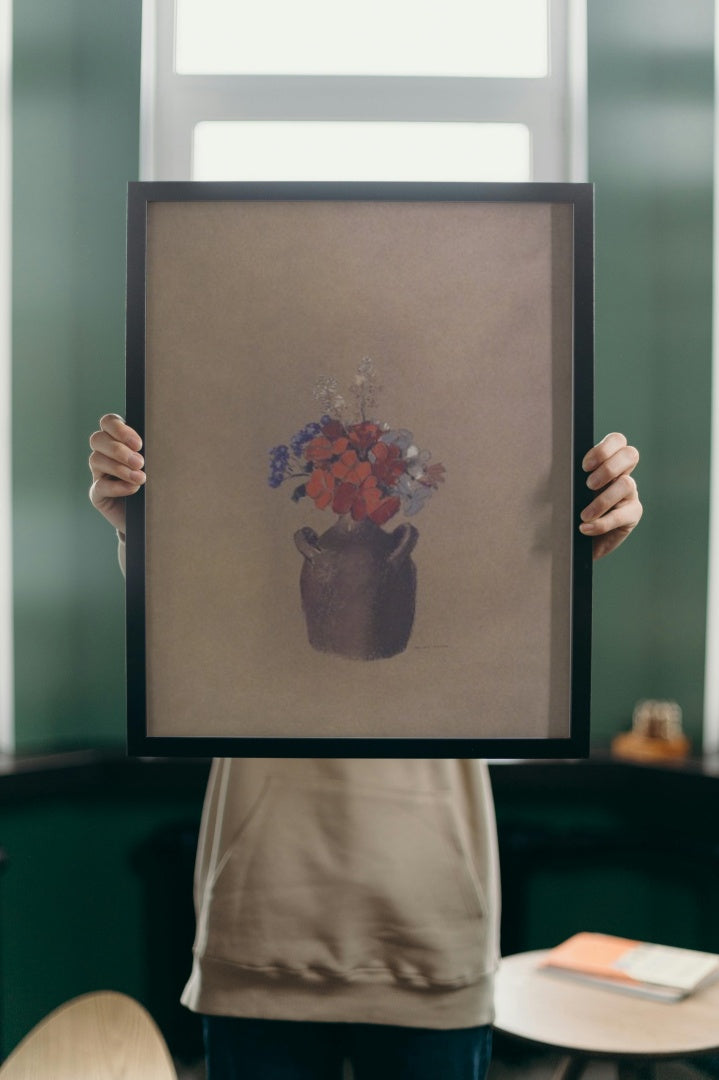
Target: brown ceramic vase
358, 587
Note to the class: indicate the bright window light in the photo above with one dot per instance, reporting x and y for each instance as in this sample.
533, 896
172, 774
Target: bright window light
314, 150
459, 38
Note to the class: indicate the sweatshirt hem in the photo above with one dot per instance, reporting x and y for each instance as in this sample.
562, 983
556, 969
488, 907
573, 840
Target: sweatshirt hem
220, 989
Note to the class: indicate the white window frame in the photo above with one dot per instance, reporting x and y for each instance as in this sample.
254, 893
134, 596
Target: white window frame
710, 727
553, 108
7, 717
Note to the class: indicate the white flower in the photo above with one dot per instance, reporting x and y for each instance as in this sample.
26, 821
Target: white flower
401, 437
413, 495
326, 391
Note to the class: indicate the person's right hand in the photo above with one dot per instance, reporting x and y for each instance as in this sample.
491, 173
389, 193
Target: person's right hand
116, 468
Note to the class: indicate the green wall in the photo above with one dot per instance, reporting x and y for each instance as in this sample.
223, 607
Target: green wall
75, 898
76, 89
650, 156
75, 146
71, 908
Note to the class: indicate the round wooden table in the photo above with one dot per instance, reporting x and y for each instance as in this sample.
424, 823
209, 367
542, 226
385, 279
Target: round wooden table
586, 1022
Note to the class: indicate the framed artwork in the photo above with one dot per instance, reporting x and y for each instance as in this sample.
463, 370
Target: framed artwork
364, 410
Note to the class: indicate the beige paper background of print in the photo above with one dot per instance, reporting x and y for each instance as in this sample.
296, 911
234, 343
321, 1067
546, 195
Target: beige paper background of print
465, 309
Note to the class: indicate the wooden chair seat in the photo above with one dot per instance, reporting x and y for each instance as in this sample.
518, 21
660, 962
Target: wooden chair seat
99, 1036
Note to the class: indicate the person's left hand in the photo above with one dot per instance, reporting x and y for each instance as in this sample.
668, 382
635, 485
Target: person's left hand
616, 510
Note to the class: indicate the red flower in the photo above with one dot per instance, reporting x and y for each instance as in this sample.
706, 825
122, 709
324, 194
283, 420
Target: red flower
363, 436
386, 509
368, 499
433, 475
333, 429
357, 499
351, 469
388, 465
345, 497
364, 500
320, 487
322, 448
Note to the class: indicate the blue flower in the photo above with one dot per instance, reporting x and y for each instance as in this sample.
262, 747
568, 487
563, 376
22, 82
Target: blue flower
279, 459
300, 440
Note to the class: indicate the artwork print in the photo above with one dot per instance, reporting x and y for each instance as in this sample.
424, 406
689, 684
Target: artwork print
364, 409
358, 582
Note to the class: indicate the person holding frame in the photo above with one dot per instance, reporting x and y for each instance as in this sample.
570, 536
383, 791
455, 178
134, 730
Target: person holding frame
349, 909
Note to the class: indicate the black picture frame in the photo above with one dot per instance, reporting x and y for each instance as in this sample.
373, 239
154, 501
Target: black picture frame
150, 722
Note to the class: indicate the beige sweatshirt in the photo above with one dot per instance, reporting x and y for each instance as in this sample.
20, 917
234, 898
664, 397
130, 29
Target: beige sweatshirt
347, 890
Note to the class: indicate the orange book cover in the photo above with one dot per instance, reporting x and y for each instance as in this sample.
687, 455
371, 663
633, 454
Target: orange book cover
592, 954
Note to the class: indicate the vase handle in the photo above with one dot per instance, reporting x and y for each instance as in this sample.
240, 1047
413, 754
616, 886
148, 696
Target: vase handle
307, 542
405, 536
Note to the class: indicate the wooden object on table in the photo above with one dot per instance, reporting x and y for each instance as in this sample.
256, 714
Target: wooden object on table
656, 734
99, 1036
588, 1022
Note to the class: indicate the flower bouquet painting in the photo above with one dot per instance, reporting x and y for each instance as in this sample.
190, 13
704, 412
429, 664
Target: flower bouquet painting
304, 577
358, 580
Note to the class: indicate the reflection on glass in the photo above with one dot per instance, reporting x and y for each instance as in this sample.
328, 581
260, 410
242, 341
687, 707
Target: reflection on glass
498, 38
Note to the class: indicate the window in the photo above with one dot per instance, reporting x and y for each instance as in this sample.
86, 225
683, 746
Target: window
378, 150
401, 38
408, 89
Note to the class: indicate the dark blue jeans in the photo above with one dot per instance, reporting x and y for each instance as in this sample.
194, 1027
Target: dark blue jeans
240, 1049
